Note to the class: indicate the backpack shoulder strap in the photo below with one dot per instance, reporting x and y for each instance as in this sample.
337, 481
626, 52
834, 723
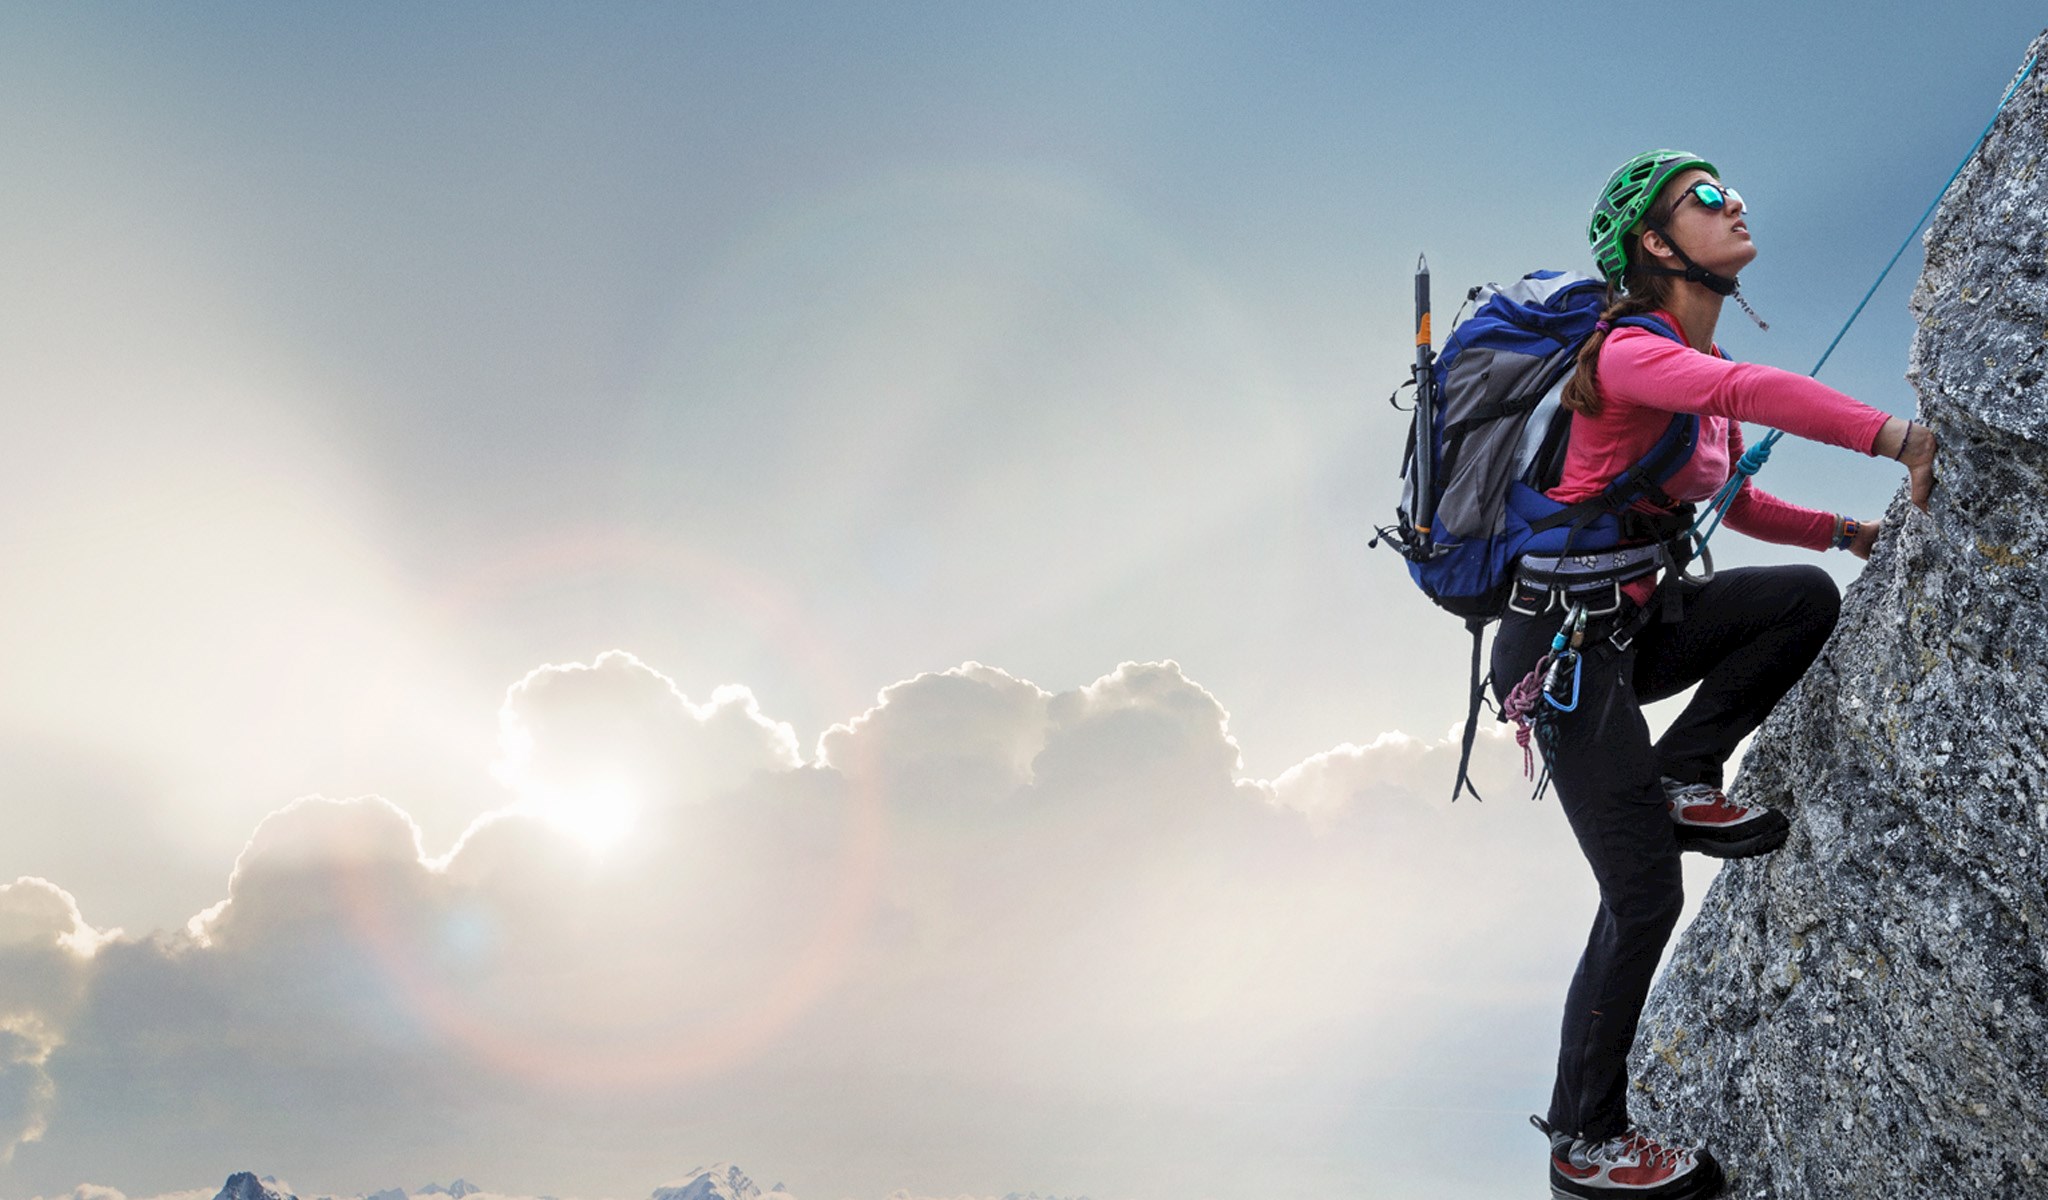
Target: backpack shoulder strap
1653, 323
1672, 449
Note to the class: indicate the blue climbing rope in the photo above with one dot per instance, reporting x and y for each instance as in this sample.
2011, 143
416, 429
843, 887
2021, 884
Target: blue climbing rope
1754, 457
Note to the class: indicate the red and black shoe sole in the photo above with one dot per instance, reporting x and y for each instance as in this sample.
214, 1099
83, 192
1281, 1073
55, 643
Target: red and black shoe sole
1746, 840
1701, 1183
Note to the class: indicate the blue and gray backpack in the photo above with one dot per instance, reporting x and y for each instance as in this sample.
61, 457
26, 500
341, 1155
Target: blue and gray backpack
1489, 439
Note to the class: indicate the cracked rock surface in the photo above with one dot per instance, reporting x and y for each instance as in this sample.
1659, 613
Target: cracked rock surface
1865, 1012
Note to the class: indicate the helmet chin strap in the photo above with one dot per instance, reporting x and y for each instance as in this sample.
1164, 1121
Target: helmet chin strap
1720, 285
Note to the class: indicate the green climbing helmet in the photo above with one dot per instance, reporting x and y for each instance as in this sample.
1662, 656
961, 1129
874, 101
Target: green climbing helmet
1628, 195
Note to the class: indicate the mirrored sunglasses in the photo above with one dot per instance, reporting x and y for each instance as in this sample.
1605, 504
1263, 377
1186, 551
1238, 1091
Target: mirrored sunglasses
1715, 196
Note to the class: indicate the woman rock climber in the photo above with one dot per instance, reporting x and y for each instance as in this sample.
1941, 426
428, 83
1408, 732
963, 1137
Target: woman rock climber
1671, 239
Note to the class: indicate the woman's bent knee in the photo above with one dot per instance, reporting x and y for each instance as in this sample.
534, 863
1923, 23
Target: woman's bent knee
1814, 595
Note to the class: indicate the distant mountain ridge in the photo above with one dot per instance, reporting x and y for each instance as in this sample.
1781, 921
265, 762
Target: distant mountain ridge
720, 1181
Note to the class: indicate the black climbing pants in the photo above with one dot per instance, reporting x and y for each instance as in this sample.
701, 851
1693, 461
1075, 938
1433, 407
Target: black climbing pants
1746, 637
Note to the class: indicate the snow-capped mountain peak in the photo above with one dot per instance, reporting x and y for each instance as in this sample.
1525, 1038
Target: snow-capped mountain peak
243, 1185
721, 1181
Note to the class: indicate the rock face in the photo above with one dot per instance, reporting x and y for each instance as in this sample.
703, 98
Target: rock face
1865, 1012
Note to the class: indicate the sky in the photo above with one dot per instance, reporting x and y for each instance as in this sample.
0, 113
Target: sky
598, 589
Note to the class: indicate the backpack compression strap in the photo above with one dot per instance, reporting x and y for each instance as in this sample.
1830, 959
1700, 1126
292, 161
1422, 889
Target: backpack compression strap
1464, 781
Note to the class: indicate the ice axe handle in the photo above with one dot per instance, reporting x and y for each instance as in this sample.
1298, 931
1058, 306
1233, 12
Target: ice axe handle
1425, 408
1422, 335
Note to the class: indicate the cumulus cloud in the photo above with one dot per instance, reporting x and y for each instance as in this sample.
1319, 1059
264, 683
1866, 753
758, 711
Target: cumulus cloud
589, 745
25, 1088
1143, 724
970, 733
901, 1194
976, 734
304, 858
46, 947
619, 707
35, 913
1327, 787
93, 1191
981, 896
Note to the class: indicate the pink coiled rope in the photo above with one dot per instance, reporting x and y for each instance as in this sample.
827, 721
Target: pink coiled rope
1524, 700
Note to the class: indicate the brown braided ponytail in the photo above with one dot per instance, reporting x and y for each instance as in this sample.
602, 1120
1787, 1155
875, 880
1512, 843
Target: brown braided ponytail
1639, 293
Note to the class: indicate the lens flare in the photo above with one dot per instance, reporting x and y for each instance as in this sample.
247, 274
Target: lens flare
450, 977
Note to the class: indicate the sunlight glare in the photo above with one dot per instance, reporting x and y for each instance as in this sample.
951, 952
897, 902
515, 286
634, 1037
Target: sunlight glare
598, 810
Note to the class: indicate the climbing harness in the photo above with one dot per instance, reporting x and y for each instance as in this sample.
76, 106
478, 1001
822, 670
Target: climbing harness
1756, 456
1590, 581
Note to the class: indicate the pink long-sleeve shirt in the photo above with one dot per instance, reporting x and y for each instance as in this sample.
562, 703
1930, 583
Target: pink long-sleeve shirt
1646, 377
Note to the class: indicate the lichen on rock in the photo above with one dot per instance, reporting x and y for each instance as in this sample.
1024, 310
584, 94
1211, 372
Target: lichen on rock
1865, 1012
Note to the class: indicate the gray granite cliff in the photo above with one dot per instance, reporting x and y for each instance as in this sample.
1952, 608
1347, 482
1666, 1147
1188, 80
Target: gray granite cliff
1865, 1012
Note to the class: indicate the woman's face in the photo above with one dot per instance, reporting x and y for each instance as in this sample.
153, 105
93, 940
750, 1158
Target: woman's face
1717, 239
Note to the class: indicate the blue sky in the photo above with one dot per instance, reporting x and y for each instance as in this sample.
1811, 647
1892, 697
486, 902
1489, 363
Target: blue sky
359, 361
